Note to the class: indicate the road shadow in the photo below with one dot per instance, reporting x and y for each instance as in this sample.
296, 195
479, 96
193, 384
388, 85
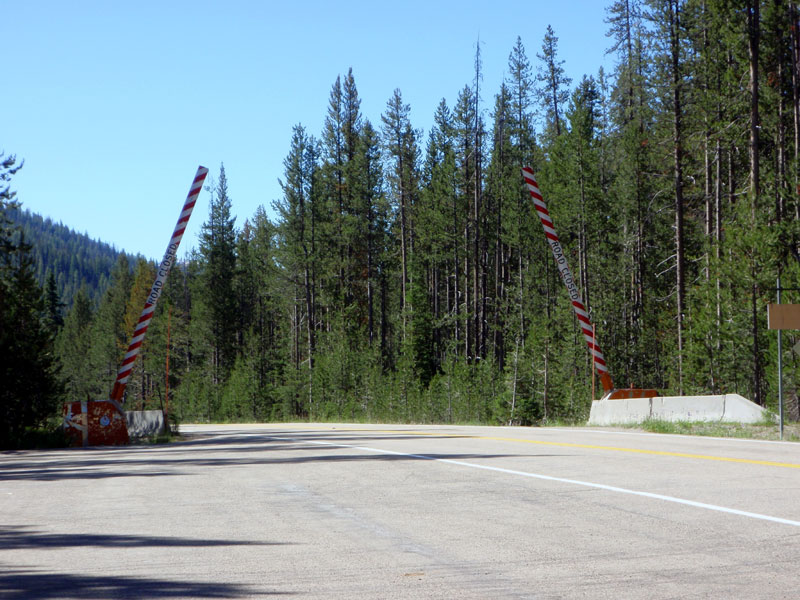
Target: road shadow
28, 584
243, 436
226, 449
18, 538
105, 468
69, 472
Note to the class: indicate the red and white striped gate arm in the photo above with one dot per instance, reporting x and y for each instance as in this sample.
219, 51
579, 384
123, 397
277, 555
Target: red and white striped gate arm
569, 281
158, 285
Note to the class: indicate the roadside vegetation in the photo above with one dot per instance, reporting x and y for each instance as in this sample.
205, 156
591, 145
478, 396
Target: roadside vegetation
758, 431
404, 276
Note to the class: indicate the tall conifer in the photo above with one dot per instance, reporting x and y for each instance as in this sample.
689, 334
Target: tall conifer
218, 256
30, 390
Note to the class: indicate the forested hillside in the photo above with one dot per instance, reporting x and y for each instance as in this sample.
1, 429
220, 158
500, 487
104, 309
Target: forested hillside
73, 259
406, 276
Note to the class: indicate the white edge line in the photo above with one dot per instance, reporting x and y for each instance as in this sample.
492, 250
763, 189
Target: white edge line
599, 486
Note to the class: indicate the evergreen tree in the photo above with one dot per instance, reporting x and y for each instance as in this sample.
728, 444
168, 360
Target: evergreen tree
262, 355
525, 259
298, 248
73, 259
634, 287
336, 196
407, 287
216, 299
554, 92
464, 120
438, 248
53, 304
31, 391
402, 154
372, 212
141, 385
72, 348
521, 90
109, 339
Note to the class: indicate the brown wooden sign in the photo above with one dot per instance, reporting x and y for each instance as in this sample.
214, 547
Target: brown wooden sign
783, 316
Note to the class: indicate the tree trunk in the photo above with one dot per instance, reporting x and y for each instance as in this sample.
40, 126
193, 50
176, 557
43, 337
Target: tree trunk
677, 139
717, 255
753, 36
476, 240
403, 245
456, 309
370, 292
583, 262
794, 27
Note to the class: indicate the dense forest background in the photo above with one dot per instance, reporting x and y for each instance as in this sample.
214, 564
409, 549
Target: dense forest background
72, 259
405, 276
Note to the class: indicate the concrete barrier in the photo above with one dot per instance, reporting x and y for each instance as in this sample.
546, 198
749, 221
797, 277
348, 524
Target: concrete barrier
688, 408
609, 412
741, 410
143, 423
726, 407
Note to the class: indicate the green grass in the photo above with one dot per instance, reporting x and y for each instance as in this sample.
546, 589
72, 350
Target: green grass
766, 430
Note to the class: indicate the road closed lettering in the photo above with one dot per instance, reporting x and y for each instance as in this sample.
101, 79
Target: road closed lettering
563, 268
163, 271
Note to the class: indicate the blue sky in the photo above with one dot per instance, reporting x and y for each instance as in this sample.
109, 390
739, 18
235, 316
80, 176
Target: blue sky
114, 105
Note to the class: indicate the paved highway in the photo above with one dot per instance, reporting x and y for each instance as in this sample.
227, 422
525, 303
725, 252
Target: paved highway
359, 511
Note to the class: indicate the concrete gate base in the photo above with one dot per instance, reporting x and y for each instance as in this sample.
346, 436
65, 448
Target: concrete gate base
726, 407
144, 423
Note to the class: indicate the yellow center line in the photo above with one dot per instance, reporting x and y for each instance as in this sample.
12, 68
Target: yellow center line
767, 463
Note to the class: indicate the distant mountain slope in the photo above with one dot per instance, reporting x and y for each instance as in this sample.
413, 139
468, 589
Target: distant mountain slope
74, 258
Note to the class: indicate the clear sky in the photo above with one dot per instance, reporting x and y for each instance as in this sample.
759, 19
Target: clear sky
113, 105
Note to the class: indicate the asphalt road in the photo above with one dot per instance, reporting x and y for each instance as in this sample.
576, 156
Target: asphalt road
356, 511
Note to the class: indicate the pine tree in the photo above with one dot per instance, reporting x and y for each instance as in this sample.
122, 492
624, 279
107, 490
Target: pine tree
109, 339
53, 304
554, 92
218, 263
372, 211
141, 385
464, 119
262, 356
670, 38
72, 348
400, 143
624, 18
31, 391
521, 90
298, 249
437, 245
520, 229
73, 259
332, 227
354, 224
187, 352
402, 290
635, 289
